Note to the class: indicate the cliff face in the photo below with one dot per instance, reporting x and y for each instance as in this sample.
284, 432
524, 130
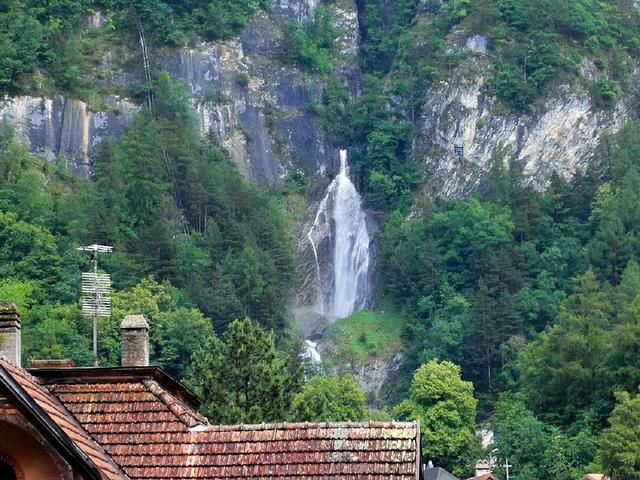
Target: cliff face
65, 127
245, 97
462, 128
260, 110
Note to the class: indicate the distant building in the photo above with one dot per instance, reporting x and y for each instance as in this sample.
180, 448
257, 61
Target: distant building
595, 476
437, 473
483, 467
136, 422
485, 476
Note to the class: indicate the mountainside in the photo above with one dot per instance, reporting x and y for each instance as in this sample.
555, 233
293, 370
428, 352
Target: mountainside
437, 197
262, 110
258, 108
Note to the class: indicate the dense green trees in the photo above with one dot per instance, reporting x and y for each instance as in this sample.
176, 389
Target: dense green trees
621, 441
329, 399
179, 210
188, 230
446, 408
533, 293
242, 377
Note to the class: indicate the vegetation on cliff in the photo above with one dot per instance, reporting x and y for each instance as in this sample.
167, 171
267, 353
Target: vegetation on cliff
533, 294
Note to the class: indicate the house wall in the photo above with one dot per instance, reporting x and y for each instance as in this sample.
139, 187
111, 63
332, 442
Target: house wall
19, 442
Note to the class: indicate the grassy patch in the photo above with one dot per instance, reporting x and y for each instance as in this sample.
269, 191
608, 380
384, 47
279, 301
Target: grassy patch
363, 336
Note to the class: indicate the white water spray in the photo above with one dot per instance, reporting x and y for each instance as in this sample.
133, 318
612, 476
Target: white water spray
351, 255
340, 213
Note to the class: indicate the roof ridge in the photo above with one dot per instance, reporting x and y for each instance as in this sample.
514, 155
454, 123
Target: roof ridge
190, 418
309, 425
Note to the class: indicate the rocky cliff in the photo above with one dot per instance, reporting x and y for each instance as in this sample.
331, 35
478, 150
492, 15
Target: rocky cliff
462, 128
245, 98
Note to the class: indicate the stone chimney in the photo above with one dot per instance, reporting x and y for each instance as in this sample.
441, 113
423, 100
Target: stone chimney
10, 339
135, 341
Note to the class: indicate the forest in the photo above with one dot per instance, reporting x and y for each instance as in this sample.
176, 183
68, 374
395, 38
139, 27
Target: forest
519, 307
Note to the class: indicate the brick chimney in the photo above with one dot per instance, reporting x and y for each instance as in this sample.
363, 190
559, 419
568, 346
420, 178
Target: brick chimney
135, 341
10, 339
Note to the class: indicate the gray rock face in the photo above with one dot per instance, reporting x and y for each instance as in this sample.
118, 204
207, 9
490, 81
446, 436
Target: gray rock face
59, 126
462, 128
376, 376
246, 99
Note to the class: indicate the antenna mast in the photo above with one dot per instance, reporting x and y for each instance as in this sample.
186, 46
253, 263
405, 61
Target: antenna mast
95, 293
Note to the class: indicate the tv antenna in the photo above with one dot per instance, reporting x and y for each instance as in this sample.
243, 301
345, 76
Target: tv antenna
95, 293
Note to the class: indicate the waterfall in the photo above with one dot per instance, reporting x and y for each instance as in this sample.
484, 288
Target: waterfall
340, 216
351, 252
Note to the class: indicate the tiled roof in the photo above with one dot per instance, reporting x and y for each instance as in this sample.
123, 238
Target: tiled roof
55, 413
437, 473
152, 433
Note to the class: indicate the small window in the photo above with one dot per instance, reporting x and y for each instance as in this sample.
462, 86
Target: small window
7, 472
458, 150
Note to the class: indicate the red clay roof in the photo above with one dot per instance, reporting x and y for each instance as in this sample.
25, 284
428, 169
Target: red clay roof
152, 433
142, 424
58, 416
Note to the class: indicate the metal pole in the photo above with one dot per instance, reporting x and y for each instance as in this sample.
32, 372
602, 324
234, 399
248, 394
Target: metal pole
95, 313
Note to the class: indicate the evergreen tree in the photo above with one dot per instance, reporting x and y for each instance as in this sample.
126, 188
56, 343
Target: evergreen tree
620, 449
242, 377
563, 372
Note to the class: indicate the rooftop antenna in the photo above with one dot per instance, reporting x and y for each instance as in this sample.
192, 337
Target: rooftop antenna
95, 293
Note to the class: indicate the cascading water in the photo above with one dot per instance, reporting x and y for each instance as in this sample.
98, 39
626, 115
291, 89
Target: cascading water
344, 289
351, 252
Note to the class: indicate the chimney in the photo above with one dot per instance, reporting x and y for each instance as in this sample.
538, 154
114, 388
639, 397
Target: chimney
10, 339
135, 341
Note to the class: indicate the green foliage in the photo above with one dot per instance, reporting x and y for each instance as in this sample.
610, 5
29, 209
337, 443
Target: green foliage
176, 328
563, 372
212, 233
311, 45
242, 377
533, 448
363, 336
531, 49
57, 332
329, 399
620, 449
445, 406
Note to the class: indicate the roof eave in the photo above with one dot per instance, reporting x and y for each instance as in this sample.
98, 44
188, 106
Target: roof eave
48, 428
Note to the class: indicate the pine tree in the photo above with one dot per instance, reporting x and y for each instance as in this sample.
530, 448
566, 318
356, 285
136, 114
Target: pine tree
242, 377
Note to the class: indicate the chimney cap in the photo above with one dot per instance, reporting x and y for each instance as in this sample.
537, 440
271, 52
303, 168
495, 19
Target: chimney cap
8, 309
134, 322
9, 315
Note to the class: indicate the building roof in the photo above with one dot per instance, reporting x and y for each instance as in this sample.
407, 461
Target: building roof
595, 476
437, 473
486, 476
148, 424
72, 441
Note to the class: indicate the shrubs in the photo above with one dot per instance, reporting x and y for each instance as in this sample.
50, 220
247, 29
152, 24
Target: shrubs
311, 45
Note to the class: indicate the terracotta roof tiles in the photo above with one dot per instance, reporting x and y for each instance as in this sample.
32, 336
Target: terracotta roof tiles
155, 435
142, 423
58, 414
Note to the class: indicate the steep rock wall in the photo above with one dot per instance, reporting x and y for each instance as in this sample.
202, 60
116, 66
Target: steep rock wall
461, 128
65, 127
245, 97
